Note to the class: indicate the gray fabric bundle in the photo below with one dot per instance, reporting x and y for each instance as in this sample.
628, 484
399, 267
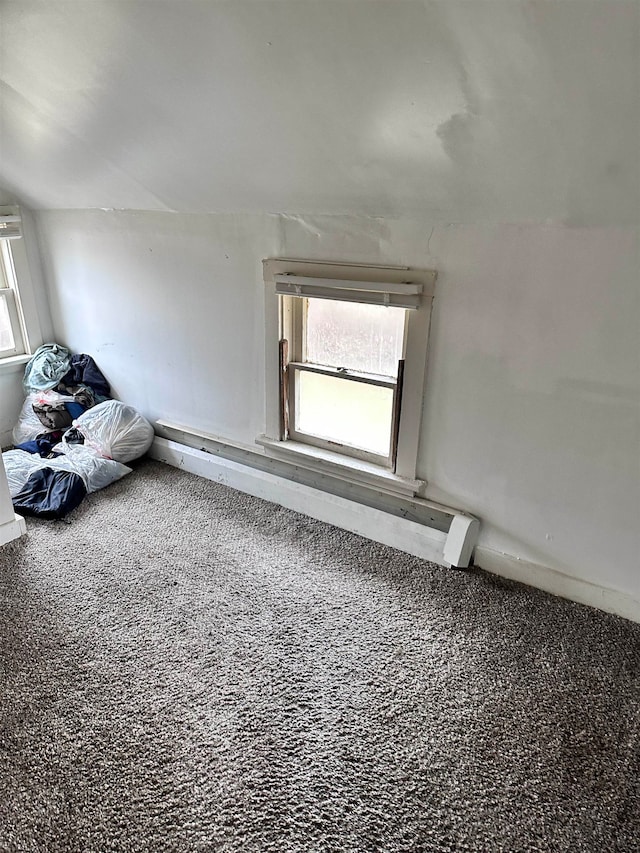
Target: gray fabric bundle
49, 364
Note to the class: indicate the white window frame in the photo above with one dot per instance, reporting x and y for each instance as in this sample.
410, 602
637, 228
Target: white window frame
293, 329
402, 286
16, 288
9, 295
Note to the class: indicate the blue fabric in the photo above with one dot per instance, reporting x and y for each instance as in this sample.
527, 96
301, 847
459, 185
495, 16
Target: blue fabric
75, 409
30, 447
46, 368
42, 445
84, 371
50, 494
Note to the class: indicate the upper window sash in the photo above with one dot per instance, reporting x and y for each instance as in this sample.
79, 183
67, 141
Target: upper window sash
7, 271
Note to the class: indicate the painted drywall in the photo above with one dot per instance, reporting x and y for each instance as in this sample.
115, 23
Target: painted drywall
170, 306
500, 110
532, 404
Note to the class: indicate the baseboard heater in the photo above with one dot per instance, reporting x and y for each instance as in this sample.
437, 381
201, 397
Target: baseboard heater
416, 526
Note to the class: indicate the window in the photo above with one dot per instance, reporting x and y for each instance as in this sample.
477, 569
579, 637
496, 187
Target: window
12, 331
11, 324
349, 372
343, 389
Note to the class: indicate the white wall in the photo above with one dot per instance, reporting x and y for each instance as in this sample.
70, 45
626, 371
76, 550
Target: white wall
532, 405
170, 307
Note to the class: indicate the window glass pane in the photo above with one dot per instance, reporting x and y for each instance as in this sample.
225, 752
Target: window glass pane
6, 333
351, 413
365, 338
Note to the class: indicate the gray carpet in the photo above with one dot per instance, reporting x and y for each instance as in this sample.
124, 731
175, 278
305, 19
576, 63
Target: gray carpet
186, 668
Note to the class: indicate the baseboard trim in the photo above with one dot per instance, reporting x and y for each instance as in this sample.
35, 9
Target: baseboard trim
13, 529
401, 533
557, 583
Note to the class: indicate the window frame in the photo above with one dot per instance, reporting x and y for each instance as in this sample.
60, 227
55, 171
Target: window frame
293, 328
16, 253
280, 317
11, 297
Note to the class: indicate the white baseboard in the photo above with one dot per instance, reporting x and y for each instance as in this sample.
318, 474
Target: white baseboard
401, 533
557, 583
13, 529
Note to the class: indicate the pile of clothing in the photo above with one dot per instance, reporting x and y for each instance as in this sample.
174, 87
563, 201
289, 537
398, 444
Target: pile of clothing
71, 438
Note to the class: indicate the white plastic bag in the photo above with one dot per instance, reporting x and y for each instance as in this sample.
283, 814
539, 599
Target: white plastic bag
96, 471
115, 430
19, 466
29, 425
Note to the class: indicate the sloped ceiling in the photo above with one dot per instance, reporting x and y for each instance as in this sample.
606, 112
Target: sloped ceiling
508, 111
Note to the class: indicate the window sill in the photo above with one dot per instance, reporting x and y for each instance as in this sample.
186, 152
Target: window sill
14, 363
343, 467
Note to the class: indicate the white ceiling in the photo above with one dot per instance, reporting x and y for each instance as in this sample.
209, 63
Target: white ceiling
514, 110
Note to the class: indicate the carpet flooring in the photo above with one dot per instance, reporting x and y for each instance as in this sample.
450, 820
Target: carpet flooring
186, 668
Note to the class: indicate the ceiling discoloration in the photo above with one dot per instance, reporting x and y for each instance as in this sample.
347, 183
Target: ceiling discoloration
503, 110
